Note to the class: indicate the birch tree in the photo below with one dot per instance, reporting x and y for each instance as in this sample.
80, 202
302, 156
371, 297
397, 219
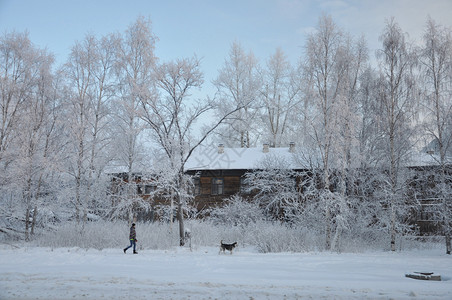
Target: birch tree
26, 90
238, 85
171, 115
17, 80
274, 185
135, 69
280, 94
437, 74
30, 151
322, 55
397, 102
171, 119
100, 122
79, 74
89, 73
351, 60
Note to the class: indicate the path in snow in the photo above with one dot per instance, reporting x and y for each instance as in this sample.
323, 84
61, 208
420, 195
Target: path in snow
40, 273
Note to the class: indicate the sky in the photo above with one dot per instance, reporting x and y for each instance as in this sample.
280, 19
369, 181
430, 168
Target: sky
208, 28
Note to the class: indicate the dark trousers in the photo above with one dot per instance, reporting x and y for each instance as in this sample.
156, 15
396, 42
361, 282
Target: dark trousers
132, 243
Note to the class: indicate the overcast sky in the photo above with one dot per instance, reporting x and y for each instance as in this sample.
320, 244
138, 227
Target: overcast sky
207, 28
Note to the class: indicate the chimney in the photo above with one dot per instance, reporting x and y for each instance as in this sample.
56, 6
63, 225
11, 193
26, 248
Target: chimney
220, 148
265, 149
292, 147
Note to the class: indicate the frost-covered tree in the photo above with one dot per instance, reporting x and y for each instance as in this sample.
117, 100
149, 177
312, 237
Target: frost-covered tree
100, 137
135, 67
279, 94
79, 76
368, 133
171, 118
171, 115
238, 84
351, 62
274, 185
17, 78
436, 62
31, 151
30, 103
397, 102
90, 83
325, 66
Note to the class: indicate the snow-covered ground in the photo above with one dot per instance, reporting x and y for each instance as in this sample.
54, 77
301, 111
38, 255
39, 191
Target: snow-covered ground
74, 273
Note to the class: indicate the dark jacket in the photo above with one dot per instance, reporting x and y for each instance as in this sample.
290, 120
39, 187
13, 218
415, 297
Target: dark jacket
133, 234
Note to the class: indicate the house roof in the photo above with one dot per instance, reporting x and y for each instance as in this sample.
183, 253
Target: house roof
425, 159
212, 158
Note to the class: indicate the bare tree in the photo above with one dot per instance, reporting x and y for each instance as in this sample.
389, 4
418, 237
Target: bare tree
135, 69
351, 61
32, 151
280, 93
368, 135
103, 92
90, 81
397, 103
28, 107
171, 120
323, 50
79, 74
274, 185
238, 85
17, 79
437, 73
171, 116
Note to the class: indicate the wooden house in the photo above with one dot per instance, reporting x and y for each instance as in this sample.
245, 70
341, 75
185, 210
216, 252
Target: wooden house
221, 174
424, 186
220, 171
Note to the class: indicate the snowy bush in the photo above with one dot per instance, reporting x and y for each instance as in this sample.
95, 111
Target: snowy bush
274, 184
237, 211
278, 237
264, 236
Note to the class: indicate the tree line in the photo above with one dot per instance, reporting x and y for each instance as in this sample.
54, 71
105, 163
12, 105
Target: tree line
113, 103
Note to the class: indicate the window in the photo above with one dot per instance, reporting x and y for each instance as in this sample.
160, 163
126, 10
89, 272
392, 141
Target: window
244, 186
148, 189
197, 186
217, 186
145, 189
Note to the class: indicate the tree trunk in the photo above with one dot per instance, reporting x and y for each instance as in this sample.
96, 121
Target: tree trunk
393, 223
27, 222
448, 244
180, 218
328, 227
33, 222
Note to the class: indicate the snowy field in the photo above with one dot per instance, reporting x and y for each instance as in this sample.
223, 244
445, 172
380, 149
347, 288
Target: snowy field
74, 273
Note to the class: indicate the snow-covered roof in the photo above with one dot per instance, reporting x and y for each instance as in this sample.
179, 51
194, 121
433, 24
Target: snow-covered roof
424, 159
117, 167
212, 158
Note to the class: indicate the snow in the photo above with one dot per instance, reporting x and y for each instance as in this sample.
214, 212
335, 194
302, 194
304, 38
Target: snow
421, 159
208, 158
75, 273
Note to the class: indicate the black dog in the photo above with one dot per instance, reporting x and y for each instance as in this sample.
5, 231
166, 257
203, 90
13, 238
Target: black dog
229, 247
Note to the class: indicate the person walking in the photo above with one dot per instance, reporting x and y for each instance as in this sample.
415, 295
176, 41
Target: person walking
133, 239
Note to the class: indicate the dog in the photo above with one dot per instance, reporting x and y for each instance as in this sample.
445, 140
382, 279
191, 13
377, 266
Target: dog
229, 247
